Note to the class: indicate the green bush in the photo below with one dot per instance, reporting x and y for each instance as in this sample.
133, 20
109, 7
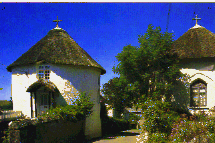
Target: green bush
158, 117
6, 137
79, 110
6, 105
133, 118
112, 125
180, 110
121, 124
184, 129
211, 129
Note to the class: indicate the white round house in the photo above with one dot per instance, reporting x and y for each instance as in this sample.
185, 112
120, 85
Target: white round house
52, 72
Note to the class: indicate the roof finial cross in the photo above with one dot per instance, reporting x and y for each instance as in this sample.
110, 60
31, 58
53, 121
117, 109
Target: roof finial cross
57, 22
196, 19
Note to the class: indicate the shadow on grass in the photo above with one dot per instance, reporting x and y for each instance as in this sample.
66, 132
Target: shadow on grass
114, 136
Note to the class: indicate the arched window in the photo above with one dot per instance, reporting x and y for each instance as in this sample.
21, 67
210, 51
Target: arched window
198, 93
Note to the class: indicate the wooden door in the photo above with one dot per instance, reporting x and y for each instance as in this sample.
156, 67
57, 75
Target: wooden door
43, 102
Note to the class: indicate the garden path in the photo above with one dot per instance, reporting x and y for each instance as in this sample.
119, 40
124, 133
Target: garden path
129, 136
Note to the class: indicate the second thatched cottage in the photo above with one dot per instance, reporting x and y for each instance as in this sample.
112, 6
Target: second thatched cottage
195, 49
56, 68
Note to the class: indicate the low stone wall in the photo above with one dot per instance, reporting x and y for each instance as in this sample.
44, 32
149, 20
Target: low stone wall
10, 114
49, 132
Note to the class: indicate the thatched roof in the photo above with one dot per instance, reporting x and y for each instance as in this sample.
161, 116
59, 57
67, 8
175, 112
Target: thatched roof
42, 83
195, 43
57, 47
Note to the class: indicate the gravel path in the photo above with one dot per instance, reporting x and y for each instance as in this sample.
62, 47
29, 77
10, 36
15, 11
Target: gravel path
133, 136
129, 136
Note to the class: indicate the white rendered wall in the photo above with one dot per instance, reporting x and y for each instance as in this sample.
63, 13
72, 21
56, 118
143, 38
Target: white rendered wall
20, 83
69, 80
73, 79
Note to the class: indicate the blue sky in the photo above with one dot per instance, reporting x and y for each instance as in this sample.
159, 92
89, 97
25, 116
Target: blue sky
101, 29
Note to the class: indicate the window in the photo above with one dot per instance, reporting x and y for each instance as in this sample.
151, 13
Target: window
198, 94
44, 72
41, 74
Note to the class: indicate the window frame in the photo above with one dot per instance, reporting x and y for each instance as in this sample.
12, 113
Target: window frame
44, 72
47, 74
198, 85
41, 74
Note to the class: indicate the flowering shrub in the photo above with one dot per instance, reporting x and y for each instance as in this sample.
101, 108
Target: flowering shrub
200, 127
184, 130
158, 118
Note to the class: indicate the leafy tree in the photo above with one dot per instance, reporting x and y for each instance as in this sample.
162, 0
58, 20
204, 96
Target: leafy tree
117, 95
152, 71
152, 68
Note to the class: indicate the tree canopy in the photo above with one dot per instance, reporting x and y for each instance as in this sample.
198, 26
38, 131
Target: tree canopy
151, 66
150, 70
117, 94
